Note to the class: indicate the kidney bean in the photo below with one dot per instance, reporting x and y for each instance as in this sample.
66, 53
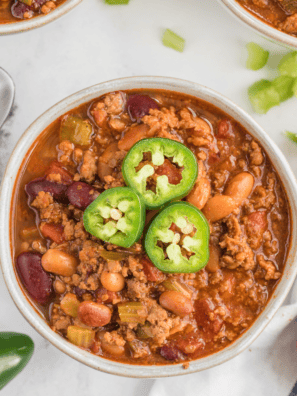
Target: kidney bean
93, 314
200, 193
41, 184
170, 353
176, 302
57, 169
218, 207
139, 105
240, 187
81, 194
59, 262
37, 282
18, 9
257, 222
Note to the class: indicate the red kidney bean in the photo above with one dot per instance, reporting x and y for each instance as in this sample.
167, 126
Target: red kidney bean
170, 353
37, 282
81, 194
41, 184
206, 319
139, 106
18, 9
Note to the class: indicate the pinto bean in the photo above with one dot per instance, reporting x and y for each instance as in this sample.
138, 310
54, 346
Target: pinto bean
112, 281
200, 193
113, 349
218, 207
133, 135
214, 258
176, 302
93, 314
240, 187
59, 262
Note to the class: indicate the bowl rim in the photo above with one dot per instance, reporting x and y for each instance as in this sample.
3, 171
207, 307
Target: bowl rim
257, 24
85, 95
38, 21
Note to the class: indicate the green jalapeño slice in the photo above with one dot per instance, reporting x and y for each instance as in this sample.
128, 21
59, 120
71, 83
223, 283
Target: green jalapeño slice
177, 239
160, 169
117, 216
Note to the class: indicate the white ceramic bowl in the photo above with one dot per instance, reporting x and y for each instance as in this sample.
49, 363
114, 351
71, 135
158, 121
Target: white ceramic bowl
86, 95
24, 25
260, 26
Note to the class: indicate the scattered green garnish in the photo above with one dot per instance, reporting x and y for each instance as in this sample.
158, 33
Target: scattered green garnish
284, 87
263, 95
292, 136
288, 65
257, 56
116, 2
172, 40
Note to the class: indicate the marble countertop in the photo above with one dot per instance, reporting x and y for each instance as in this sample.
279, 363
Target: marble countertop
95, 43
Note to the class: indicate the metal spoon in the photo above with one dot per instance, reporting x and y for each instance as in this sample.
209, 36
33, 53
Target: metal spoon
6, 95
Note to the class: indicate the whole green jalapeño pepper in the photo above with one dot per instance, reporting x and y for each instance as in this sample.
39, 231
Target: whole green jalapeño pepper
160, 169
117, 216
15, 352
177, 239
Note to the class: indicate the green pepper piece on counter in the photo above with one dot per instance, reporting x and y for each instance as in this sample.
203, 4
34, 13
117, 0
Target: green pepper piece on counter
117, 216
177, 239
15, 352
161, 170
77, 130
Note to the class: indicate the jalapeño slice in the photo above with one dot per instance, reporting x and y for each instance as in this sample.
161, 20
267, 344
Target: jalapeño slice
177, 239
160, 169
117, 216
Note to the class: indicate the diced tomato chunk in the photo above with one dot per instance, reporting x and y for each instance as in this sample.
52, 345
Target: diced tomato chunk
257, 222
213, 158
152, 273
53, 231
189, 343
206, 319
106, 296
56, 168
172, 172
225, 130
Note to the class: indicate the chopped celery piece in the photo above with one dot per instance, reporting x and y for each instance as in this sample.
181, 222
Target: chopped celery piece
80, 336
294, 87
289, 6
174, 284
30, 233
116, 2
28, 2
113, 256
288, 65
263, 96
172, 40
257, 56
284, 87
76, 130
69, 304
132, 312
292, 136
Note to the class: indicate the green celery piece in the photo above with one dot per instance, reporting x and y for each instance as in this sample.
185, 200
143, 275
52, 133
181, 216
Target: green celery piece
284, 87
292, 136
28, 2
116, 2
263, 96
288, 65
294, 87
172, 40
257, 56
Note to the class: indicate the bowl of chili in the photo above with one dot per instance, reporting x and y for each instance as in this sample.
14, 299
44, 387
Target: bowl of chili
86, 318
276, 20
18, 16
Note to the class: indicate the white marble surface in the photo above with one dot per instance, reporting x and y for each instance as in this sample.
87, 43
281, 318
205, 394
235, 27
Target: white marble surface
94, 43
